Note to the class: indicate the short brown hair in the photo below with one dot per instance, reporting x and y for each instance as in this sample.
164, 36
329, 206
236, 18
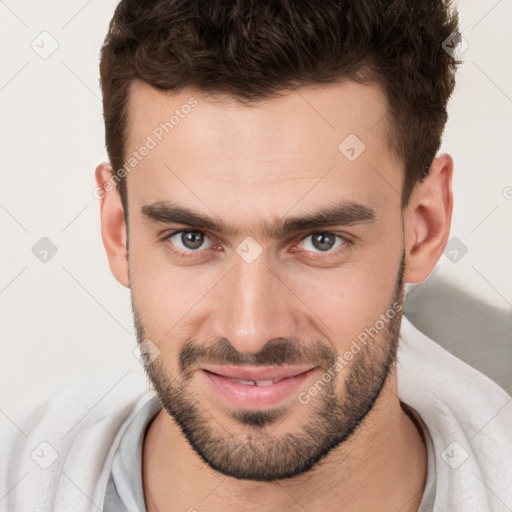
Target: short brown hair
256, 49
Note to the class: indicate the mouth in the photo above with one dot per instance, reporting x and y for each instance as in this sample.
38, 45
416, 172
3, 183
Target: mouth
255, 388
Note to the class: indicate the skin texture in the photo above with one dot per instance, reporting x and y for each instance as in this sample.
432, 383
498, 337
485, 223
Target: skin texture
250, 166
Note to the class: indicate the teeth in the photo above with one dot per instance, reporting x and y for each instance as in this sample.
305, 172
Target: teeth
264, 382
244, 382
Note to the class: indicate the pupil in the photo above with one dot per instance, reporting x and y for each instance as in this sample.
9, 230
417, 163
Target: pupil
191, 239
322, 241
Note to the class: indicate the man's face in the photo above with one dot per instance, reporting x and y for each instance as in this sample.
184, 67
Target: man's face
231, 312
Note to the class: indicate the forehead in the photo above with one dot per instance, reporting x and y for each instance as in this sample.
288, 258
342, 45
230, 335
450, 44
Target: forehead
341, 108
304, 148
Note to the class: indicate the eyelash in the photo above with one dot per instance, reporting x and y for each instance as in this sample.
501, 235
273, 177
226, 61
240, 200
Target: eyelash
344, 247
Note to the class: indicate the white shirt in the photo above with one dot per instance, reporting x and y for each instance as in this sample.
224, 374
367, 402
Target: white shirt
59, 456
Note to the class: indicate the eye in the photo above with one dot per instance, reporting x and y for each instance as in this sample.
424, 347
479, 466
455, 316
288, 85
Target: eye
186, 241
321, 242
189, 243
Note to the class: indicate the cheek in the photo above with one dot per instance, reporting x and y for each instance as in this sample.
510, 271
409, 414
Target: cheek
345, 301
167, 296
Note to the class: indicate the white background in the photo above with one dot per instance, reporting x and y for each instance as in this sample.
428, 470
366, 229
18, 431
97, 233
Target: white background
69, 319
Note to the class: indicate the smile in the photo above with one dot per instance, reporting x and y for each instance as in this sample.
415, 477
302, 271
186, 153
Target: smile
255, 388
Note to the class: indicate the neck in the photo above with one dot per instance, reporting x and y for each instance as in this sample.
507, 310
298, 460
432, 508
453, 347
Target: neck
381, 466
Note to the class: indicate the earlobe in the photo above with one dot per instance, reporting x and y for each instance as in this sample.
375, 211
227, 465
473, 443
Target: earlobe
427, 220
113, 226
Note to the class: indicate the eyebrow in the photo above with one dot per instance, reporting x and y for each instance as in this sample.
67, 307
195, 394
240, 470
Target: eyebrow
346, 213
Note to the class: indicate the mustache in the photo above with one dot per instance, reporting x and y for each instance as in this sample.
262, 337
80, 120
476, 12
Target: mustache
276, 352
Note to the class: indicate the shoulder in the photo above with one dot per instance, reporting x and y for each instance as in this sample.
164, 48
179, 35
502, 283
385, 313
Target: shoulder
62, 445
427, 370
469, 418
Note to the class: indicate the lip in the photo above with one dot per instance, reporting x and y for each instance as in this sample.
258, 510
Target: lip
251, 373
246, 396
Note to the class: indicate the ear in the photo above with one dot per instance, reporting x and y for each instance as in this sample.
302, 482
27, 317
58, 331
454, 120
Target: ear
113, 226
427, 220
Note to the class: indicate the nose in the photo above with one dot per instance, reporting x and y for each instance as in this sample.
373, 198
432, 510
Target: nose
254, 304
